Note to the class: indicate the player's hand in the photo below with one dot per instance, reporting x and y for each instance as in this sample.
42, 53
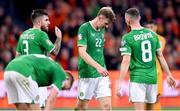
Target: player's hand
58, 32
118, 90
102, 71
171, 81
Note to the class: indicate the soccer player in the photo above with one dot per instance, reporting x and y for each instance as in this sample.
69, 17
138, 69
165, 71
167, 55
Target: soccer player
139, 50
24, 74
93, 75
153, 26
36, 41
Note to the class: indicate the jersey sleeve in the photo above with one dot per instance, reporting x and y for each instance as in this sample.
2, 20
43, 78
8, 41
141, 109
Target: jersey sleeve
158, 46
18, 48
125, 47
162, 42
59, 76
82, 36
46, 43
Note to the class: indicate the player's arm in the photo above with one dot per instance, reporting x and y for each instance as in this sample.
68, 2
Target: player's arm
17, 54
89, 60
57, 43
170, 79
126, 54
51, 99
47, 45
162, 42
18, 49
123, 70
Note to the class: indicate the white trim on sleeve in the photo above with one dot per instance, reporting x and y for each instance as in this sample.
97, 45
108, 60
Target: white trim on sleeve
55, 87
52, 49
125, 53
82, 45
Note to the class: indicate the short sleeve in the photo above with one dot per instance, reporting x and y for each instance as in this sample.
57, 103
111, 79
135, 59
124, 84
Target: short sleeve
46, 43
125, 47
82, 36
59, 76
158, 46
18, 48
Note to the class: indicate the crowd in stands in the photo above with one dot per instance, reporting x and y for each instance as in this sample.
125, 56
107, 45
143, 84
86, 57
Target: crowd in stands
68, 15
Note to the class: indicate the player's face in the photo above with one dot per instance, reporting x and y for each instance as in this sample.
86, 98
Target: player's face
45, 23
67, 84
103, 22
151, 27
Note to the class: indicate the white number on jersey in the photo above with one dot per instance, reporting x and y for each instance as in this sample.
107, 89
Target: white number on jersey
146, 51
26, 49
98, 42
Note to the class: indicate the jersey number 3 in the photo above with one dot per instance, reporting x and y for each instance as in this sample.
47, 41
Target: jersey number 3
146, 51
25, 42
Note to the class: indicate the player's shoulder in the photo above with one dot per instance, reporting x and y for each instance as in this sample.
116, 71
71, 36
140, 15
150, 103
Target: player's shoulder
26, 31
149, 30
41, 34
35, 31
126, 36
160, 37
85, 25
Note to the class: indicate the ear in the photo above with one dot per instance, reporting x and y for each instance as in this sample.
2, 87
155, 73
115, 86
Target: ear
38, 21
100, 17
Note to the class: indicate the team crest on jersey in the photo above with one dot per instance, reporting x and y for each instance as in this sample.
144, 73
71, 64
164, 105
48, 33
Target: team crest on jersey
79, 36
48, 42
123, 42
81, 94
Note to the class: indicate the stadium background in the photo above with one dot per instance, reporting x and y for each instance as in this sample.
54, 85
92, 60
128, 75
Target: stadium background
70, 14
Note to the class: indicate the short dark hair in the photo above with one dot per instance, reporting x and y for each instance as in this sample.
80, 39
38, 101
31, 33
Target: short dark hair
37, 13
133, 12
108, 13
151, 22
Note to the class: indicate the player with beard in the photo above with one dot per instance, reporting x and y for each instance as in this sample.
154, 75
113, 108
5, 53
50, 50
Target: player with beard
36, 41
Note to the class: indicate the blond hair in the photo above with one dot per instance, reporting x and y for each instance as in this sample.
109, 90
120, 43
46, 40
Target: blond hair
108, 13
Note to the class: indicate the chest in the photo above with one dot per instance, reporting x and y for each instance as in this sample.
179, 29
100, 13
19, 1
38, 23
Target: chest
95, 39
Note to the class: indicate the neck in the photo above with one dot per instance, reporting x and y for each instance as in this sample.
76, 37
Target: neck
36, 27
95, 23
136, 26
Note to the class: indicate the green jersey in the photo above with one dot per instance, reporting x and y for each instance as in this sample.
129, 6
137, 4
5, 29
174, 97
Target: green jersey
40, 68
142, 46
34, 41
93, 40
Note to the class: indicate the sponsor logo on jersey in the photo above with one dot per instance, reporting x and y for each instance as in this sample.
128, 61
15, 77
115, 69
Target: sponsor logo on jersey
81, 94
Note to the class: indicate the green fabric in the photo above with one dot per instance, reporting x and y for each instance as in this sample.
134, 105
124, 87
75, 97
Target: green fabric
141, 45
94, 41
40, 68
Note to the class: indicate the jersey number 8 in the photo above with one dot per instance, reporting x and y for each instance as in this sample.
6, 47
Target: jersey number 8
146, 51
